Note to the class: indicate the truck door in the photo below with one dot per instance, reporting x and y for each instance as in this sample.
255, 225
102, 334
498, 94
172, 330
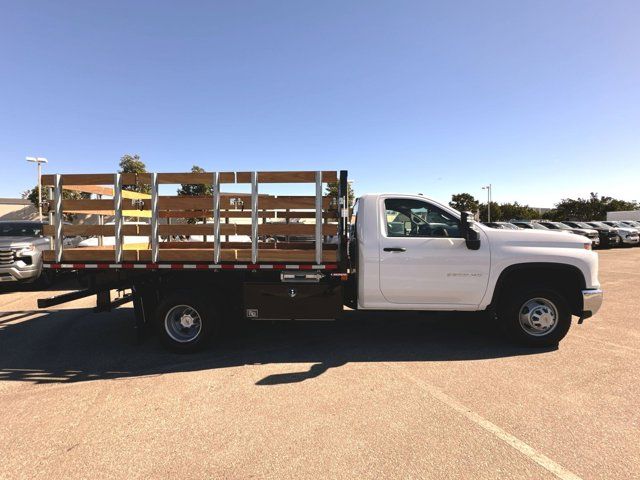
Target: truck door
424, 259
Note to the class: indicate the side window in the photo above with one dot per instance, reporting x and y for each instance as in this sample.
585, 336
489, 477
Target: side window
416, 218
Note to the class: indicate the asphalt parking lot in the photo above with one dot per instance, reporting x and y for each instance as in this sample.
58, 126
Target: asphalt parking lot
373, 396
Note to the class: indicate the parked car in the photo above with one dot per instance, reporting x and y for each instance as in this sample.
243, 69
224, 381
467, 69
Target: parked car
502, 225
21, 246
608, 235
632, 223
528, 225
628, 236
588, 232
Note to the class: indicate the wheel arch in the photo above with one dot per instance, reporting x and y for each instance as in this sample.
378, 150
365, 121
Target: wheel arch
567, 279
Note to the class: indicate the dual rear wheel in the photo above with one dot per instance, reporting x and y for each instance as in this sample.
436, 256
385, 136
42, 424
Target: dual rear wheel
186, 321
536, 317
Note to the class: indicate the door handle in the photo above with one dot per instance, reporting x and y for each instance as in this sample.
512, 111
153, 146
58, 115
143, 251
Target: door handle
394, 249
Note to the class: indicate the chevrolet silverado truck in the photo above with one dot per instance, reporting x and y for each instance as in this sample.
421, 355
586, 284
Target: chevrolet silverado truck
390, 252
21, 246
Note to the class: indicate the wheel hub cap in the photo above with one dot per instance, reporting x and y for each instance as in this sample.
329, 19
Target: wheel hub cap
538, 316
186, 321
183, 323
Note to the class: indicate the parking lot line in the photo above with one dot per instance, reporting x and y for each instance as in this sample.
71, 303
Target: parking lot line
519, 445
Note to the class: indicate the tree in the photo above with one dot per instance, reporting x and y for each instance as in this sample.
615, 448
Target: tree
133, 164
198, 189
496, 212
593, 208
332, 191
512, 211
464, 202
32, 196
195, 189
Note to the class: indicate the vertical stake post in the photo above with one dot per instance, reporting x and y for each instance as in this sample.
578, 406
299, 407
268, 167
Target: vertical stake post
58, 242
318, 218
155, 245
216, 217
117, 208
254, 217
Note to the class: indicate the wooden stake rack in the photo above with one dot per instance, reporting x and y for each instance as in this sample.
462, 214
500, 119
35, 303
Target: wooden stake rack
304, 229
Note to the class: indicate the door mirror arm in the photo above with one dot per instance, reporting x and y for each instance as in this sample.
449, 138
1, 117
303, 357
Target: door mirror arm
470, 235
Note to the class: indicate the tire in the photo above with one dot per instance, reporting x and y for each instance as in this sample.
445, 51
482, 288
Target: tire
535, 317
186, 322
46, 279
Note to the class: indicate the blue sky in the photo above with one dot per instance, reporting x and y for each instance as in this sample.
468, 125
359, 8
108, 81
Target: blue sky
540, 98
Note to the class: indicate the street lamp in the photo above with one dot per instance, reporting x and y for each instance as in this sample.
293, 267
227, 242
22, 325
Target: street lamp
488, 189
39, 161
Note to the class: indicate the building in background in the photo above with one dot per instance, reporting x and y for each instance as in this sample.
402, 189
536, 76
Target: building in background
624, 215
17, 209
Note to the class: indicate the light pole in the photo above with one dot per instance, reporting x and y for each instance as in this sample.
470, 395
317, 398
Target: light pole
39, 161
488, 189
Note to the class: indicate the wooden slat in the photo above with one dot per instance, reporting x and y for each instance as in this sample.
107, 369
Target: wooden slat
87, 204
89, 179
191, 255
243, 245
204, 201
86, 230
125, 213
286, 255
331, 214
98, 190
288, 177
191, 178
291, 229
196, 229
90, 255
209, 214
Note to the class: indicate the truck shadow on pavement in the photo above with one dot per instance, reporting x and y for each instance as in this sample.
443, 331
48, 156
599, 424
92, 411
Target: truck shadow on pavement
76, 345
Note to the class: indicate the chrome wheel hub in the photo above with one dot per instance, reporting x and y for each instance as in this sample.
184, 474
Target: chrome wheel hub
538, 316
183, 323
186, 321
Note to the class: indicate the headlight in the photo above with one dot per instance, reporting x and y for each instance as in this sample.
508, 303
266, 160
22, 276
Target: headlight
24, 251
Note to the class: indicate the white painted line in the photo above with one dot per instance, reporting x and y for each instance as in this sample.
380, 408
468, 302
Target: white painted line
524, 448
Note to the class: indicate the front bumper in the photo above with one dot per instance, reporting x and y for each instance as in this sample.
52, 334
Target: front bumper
13, 273
630, 240
591, 302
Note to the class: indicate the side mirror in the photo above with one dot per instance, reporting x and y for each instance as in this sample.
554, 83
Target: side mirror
471, 236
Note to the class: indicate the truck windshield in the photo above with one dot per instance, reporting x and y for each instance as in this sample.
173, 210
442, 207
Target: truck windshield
20, 229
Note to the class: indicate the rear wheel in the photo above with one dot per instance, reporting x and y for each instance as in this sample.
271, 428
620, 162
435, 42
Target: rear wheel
186, 322
535, 317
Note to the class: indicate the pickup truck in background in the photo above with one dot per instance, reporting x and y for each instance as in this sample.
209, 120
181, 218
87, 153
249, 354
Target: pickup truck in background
390, 252
21, 245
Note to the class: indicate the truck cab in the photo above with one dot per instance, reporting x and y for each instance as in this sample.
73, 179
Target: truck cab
412, 253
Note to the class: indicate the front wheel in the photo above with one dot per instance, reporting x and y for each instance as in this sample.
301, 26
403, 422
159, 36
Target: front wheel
535, 317
186, 322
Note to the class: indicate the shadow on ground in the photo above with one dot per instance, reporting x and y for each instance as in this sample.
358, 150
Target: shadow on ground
77, 345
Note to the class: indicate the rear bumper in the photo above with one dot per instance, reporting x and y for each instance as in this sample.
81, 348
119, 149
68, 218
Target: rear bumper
591, 302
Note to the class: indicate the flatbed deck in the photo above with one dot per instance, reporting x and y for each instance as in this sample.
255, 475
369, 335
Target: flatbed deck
281, 231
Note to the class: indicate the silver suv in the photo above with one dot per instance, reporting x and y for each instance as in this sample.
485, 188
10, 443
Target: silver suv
21, 246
